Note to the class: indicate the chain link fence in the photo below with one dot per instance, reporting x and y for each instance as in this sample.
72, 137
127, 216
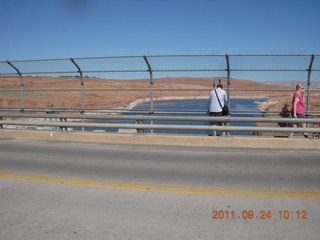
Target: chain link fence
159, 84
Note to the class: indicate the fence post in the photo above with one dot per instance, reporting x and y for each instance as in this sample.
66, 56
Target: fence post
228, 89
82, 84
228, 78
151, 87
82, 87
309, 82
21, 85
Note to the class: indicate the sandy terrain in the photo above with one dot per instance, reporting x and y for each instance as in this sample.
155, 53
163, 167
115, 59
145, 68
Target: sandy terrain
119, 95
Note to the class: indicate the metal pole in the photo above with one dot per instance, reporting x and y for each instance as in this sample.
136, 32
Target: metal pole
82, 88
151, 88
228, 79
309, 81
162, 127
82, 84
161, 118
228, 86
21, 85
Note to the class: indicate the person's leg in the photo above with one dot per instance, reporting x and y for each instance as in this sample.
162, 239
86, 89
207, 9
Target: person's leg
294, 126
215, 114
303, 125
223, 133
214, 132
306, 135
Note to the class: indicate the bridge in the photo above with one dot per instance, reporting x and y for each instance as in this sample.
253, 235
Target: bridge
59, 179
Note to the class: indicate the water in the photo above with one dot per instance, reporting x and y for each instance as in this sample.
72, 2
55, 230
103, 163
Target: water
201, 105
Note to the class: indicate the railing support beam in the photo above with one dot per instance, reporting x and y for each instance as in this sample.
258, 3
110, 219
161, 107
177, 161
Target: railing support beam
151, 87
82, 83
309, 82
21, 84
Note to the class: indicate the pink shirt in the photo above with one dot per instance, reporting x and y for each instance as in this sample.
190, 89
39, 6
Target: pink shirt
300, 104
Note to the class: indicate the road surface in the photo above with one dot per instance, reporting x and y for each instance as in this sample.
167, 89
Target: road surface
97, 191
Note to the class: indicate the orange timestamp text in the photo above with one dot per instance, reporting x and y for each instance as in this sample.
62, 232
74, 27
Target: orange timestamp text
260, 214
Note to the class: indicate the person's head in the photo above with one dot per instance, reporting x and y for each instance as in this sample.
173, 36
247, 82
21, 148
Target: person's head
300, 88
220, 86
285, 107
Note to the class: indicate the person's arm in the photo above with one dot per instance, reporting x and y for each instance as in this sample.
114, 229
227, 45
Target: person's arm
208, 105
296, 100
225, 99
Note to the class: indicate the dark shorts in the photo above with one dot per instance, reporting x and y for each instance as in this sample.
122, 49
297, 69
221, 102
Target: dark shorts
215, 114
299, 115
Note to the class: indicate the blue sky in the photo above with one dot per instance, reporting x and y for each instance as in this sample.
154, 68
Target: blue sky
34, 29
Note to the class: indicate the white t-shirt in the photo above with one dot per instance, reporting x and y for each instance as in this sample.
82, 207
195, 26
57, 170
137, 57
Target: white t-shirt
214, 104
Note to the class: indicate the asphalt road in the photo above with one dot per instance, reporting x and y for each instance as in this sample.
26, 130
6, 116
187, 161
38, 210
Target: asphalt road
89, 191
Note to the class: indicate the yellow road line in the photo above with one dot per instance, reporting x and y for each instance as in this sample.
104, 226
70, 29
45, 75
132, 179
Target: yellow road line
157, 186
161, 188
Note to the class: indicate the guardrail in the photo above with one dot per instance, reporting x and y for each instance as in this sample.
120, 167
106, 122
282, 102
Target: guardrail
141, 126
25, 85
161, 118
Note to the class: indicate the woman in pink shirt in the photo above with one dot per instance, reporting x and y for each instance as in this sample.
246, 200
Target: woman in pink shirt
297, 110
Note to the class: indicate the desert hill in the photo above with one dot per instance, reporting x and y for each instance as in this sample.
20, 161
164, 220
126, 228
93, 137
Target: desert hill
115, 93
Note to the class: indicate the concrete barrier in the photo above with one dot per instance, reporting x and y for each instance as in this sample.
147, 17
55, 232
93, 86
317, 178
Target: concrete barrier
165, 140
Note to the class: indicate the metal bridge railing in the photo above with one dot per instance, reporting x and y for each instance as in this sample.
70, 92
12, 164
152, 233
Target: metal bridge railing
161, 118
138, 118
92, 85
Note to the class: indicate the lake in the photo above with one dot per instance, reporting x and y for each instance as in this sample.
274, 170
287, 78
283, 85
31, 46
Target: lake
200, 106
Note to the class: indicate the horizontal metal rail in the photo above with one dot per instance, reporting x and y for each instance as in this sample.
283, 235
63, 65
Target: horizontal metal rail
162, 70
161, 127
170, 55
154, 112
162, 118
79, 89
144, 89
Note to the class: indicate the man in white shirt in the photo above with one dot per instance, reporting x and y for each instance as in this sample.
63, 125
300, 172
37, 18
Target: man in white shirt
215, 108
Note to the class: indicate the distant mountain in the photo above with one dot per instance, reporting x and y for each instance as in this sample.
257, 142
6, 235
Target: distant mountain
293, 84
